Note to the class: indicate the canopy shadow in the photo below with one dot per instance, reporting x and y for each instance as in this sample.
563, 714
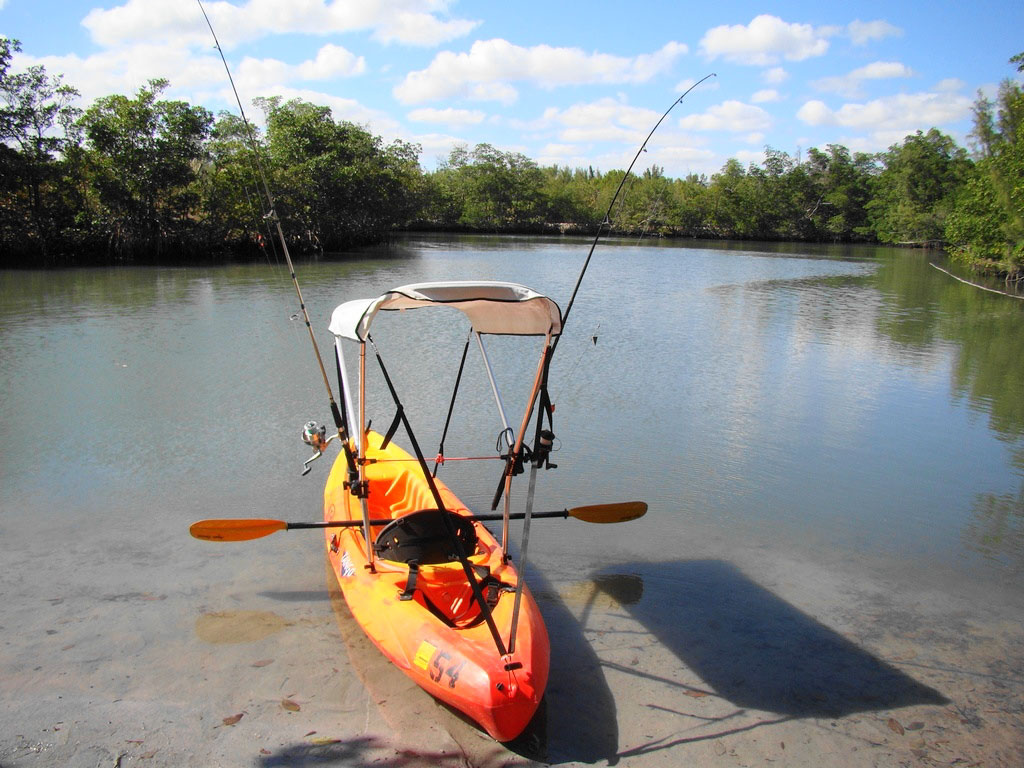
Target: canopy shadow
753, 648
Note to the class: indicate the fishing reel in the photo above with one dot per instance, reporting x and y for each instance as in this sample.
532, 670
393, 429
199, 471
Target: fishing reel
314, 435
543, 449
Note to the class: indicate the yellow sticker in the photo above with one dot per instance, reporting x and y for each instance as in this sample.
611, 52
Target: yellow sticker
424, 654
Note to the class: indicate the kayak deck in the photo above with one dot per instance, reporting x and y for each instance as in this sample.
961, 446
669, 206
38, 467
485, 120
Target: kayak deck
424, 617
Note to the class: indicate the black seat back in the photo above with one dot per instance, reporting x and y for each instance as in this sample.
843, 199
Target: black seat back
422, 537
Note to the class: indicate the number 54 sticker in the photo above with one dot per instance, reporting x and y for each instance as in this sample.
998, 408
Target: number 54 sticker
438, 664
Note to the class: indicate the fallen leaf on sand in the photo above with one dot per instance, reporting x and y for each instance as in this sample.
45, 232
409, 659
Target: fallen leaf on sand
719, 748
695, 694
310, 733
265, 751
148, 755
262, 662
894, 725
290, 705
324, 740
233, 719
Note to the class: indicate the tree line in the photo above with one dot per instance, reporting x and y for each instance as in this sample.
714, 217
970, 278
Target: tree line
142, 179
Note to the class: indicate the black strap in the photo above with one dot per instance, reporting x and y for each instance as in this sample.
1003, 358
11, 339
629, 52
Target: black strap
410, 584
451, 405
467, 567
399, 414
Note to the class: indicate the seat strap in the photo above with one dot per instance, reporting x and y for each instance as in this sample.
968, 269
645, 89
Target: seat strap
410, 584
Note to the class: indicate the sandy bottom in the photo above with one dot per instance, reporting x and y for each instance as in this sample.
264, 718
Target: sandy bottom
211, 656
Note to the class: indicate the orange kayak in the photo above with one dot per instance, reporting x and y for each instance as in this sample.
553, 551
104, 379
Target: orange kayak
423, 615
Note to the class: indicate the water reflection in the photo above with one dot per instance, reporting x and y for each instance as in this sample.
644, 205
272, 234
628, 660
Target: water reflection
996, 528
925, 307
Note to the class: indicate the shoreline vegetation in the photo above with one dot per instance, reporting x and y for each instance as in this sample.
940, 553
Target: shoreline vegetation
143, 180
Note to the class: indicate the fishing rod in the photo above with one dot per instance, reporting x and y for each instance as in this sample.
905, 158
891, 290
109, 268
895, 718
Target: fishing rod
272, 216
514, 458
611, 205
543, 438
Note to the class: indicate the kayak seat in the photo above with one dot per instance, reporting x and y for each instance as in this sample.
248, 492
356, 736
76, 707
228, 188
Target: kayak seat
423, 538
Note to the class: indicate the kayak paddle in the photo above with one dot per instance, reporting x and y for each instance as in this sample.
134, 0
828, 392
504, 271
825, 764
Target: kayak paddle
245, 529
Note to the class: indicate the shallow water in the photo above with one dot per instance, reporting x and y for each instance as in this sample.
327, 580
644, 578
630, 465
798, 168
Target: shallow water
832, 434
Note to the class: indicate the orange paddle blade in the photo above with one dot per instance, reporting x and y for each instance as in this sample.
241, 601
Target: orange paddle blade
235, 530
610, 513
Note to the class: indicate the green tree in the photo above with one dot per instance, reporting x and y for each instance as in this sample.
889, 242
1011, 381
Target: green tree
915, 191
337, 183
503, 188
841, 187
233, 199
144, 155
731, 209
37, 130
987, 223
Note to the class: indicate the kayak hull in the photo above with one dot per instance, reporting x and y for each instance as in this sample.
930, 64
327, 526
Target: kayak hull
436, 633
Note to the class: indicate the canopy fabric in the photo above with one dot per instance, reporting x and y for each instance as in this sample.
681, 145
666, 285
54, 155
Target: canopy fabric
492, 307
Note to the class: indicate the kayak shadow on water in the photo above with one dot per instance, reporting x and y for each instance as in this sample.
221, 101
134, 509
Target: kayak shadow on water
750, 647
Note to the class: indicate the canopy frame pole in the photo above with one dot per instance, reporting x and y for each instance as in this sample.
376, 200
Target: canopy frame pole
514, 457
494, 386
363, 489
346, 390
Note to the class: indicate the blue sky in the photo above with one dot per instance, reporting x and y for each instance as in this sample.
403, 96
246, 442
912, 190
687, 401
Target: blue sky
568, 83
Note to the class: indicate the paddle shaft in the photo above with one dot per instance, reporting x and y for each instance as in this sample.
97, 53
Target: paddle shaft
248, 529
385, 521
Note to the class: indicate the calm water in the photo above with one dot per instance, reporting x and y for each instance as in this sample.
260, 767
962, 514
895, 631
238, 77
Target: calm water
834, 399
831, 441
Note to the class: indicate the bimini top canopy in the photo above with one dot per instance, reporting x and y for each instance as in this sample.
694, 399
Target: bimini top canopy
492, 307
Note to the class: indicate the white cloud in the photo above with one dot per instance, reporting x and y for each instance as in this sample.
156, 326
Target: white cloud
125, 70
602, 120
453, 117
815, 112
403, 21
580, 127
849, 85
350, 110
765, 40
677, 159
890, 119
503, 93
416, 28
950, 84
775, 76
754, 138
684, 85
492, 63
732, 116
862, 32
747, 156
331, 61
765, 95
436, 147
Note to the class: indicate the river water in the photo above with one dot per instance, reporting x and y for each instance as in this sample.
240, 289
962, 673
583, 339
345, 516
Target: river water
834, 431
